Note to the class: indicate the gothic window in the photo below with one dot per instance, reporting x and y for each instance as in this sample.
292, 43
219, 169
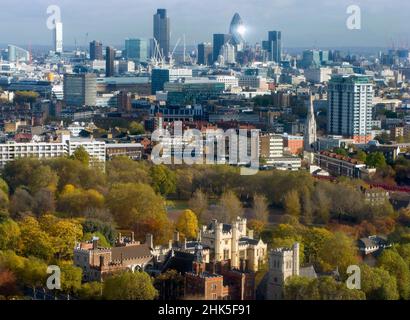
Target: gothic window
226, 254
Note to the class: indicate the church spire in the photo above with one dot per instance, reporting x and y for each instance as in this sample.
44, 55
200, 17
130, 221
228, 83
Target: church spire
310, 128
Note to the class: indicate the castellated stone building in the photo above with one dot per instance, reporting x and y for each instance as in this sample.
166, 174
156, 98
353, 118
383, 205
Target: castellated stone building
283, 264
234, 243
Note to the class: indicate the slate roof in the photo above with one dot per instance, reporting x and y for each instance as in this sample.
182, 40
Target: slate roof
131, 252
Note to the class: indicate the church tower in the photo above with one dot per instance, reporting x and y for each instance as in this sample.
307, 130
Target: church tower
310, 138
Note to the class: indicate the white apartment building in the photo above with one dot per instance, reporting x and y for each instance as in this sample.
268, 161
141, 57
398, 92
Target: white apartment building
350, 107
229, 81
318, 75
270, 147
254, 82
11, 151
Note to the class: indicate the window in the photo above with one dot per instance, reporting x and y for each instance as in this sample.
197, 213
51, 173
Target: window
214, 296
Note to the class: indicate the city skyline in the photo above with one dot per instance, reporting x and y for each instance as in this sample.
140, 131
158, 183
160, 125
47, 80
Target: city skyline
319, 24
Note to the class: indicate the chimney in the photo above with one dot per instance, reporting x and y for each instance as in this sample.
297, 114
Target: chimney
95, 243
102, 261
251, 234
149, 240
176, 236
170, 244
119, 238
132, 237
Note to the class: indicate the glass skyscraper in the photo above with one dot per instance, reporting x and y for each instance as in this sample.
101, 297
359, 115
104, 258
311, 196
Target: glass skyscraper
275, 46
162, 31
219, 40
136, 50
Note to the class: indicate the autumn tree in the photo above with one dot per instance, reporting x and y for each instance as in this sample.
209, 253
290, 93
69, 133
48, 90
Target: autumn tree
35, 241
337, 252
187, 225
292, 204
129, 286
230, 207
199, 203
63, 233
9, 234
260, 208
81, 155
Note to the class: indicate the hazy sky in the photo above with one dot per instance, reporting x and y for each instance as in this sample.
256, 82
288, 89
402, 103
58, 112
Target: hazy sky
304, 23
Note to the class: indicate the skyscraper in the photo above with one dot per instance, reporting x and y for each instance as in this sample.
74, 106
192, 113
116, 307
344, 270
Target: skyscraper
96, 50
58, 37
80, 89
219, 40
237, 30
136, 49
16, 54
109, 61
204, 53
275, 46
162, 31
310, 128
350, 107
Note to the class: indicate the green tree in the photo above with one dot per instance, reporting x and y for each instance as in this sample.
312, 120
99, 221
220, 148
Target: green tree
70, 279
90, 291
81, 155
392, 262
376, 160
187, 225
136, 128
170, 285
361, 155
163, 180
129, 286
34, 273
378, 284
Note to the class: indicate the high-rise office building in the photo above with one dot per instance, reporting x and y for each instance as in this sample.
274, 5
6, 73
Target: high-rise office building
80, 89
274, 46
96, 50
161, 76
204, 53
136, 50
58, 37
350, 100
109, 62
16, 54
219, 40
162, 31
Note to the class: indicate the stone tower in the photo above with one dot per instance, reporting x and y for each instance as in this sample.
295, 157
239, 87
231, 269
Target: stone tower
283, 264
310, 129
